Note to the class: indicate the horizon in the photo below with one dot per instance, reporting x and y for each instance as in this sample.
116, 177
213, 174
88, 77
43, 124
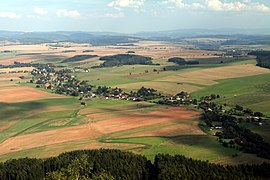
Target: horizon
200, 31
133, 16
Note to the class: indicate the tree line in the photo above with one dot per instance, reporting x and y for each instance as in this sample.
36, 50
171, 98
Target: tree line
109, 164
263, 58
239, 137
182, 61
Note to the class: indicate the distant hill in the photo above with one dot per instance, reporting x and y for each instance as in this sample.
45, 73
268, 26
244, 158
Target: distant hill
77, 37
231, 37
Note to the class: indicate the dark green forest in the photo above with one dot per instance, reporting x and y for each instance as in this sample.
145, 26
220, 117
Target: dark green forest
78, 58
108, 164
263, 58
181, 61
124, 59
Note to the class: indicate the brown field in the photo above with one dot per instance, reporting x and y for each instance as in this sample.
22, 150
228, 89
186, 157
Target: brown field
167, 117
11, 94
209, 76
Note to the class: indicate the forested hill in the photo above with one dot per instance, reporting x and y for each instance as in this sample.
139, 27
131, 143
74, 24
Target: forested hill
116, 164
124, 59
78, 58
263, 58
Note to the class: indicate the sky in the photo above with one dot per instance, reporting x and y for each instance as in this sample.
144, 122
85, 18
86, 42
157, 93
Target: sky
129, 16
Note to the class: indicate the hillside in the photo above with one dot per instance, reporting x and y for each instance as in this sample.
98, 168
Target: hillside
78, 58
125, 59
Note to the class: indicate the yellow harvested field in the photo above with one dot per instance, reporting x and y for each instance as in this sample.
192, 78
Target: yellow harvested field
11, 94
28, 48
211, 75
16, 69
6, 74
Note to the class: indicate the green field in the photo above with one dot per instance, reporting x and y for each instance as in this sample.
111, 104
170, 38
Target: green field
200, 147
252, 92
34, 116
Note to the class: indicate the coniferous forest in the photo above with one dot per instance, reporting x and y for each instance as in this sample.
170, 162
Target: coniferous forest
116, 164
263, 58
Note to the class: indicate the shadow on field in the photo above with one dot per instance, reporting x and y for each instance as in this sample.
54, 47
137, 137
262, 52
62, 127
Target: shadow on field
181, 67
16, 110
189, 139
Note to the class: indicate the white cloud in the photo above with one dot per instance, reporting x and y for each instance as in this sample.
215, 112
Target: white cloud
260, 7
11, 15
182, 4
39, 11
68, 13
219, 5
115, 15
177, 3
118, 4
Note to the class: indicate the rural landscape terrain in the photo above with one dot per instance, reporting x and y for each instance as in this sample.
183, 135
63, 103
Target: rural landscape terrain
62, 96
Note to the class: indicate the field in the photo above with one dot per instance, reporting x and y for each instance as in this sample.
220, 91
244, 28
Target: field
37, 123
158, 130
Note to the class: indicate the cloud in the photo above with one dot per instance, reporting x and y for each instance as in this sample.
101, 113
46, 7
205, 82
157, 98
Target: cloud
11, 15
218, 5
39, 11
68, 13
115, 15
182, 4
118, 4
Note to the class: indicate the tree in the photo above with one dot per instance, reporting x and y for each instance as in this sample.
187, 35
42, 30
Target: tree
80, 168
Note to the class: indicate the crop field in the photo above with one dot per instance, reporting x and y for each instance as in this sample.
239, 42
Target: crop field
37, 123
11, 94
96, 125
211, 75
142, 128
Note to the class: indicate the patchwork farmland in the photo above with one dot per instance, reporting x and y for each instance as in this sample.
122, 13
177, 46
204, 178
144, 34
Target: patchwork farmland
39, 123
